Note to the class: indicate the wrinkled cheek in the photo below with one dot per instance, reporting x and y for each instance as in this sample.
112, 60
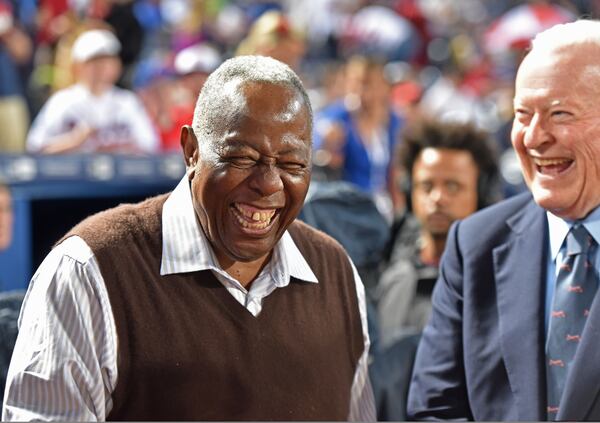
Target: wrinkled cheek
528, 176
523, 158
592, 160
517, 140
514, 133
591, 180
300, 187
199, 199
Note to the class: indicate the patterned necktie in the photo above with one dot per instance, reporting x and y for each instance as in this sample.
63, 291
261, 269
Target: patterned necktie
576, 285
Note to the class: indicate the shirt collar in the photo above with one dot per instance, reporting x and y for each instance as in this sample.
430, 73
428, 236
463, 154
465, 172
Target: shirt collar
185, 248
559, 228
287, 253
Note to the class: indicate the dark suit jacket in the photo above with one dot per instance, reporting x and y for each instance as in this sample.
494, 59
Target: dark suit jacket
482, 354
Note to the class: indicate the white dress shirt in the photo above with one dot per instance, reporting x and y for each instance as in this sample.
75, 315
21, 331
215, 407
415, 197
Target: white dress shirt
64, 366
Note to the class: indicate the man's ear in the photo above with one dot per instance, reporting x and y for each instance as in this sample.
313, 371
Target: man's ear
189, 145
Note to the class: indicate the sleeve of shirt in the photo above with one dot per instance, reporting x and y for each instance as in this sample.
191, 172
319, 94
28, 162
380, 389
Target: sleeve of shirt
362, 402
64, 362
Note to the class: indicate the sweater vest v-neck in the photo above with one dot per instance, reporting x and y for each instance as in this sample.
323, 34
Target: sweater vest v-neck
187, 350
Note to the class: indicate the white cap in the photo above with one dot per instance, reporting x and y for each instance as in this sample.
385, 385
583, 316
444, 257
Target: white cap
95, 43
197, 58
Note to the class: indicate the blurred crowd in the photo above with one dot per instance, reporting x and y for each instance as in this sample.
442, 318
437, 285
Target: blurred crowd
371, 67
122, 76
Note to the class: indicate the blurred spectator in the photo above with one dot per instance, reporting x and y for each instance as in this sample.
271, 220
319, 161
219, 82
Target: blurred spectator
332, 88
379, 31
53, 20
356, 136
6, 217
452, 172
16, 50
192, 66
516, 27
273, 35
120, 15
407, 90
63, 67
93, 115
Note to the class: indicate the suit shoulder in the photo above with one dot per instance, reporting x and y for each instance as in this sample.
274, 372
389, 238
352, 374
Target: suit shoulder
504, 208
491, 222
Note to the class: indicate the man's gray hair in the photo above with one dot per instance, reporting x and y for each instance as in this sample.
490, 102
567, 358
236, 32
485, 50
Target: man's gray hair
583, 31
221, 99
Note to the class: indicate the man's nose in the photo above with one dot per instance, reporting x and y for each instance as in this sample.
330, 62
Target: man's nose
536, 133
266, 179
439, 196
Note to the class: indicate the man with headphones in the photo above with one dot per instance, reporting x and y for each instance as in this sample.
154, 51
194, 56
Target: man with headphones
450, 171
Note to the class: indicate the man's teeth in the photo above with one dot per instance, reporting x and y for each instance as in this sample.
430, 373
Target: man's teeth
262, 218
246, 224
550, 162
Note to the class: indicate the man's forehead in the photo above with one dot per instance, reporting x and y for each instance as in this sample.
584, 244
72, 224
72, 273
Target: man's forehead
574, 59
238, 94
235, 140
294, 107
559, 74
255, 89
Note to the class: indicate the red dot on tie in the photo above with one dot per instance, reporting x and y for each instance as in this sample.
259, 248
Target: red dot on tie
575, 288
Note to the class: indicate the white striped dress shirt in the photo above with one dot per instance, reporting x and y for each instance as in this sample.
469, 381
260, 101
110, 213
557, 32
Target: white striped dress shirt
64, 366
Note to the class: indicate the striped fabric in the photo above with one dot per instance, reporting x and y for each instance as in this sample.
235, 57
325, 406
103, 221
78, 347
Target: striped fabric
64, 362
64, 366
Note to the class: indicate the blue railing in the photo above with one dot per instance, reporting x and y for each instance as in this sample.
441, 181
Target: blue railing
72, 185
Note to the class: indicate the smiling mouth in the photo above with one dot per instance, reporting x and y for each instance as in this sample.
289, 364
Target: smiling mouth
552, 166
252, 219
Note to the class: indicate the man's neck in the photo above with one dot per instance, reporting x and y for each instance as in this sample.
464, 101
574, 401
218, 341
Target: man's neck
95, 87
432, 248
244, 272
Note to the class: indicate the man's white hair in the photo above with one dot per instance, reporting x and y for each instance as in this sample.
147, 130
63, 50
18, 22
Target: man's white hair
221, 99
583, 31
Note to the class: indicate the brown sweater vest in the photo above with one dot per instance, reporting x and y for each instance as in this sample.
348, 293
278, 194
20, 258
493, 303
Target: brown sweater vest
189, 351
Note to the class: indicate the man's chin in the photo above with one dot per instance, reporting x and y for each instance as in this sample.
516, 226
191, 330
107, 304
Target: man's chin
561, 206
438, 226
249, 251
439, 233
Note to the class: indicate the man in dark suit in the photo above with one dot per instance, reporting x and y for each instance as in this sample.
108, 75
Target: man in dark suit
490, 350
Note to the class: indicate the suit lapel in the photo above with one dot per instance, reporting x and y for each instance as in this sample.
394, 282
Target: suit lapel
519, 267
583, 381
